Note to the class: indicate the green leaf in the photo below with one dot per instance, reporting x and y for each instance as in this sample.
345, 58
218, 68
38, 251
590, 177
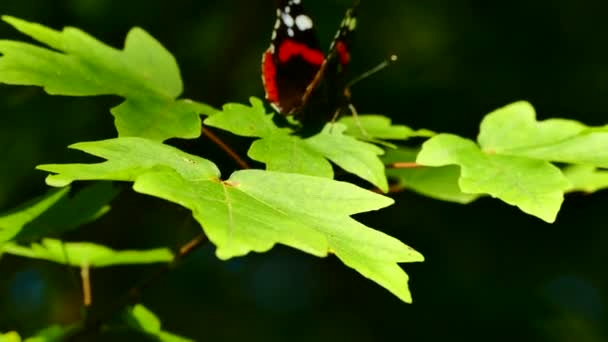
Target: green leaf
435, 182
127, 159
144, 73
513, 130
288, 153
253, 210
139, 318
283, 152
379, 127
89, 254
586, 178
56, 213
512, 159
535, 186
54, 333
12, 223
247, 121
11, 336
71, 212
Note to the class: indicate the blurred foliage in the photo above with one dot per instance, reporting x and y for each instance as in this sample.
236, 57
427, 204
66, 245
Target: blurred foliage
491, 273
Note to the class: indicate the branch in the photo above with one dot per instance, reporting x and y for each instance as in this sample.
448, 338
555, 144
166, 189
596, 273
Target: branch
185, 250
87, 298
216, 140
94, 322
404, 165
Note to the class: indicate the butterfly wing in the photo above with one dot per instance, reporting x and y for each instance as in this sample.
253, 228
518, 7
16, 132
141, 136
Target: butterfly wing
293, 59
340, 46
329, 85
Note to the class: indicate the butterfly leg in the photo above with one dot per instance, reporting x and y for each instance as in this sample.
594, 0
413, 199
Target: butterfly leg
353, 112
355, 115
334, 118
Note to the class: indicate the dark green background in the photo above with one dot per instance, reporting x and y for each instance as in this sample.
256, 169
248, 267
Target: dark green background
492, 273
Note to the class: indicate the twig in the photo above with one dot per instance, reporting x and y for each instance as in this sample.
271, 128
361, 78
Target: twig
216, 140
185, 250
191, 245
391, 189
94, 322
404, 165
87, 297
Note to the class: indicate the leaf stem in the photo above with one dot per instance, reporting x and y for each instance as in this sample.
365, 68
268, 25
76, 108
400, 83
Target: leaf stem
85, 276
216, 140
94, 322
404, 165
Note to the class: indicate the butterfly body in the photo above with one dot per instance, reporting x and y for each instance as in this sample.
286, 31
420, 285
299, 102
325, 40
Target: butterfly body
299, 79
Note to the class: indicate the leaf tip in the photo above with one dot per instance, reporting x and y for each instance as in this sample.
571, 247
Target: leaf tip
11, 20
57, 181
417, 256
522, 107
256, 102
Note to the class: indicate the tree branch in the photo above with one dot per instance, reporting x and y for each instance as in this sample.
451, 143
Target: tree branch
216, 140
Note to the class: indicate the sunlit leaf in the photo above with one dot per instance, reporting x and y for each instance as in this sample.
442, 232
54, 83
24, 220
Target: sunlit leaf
11, 336
139, 318
586, 178
379, 127
513, 130
535, 186
282, 151
84, 253
435, 182
144, 73
288, 153
247, 121
253, 209
513, 159
127, 159
52, 333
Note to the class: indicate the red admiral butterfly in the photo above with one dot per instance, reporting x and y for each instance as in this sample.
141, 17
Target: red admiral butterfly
294, 66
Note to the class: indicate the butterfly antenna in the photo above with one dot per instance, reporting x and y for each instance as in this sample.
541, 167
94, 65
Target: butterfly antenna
387, 62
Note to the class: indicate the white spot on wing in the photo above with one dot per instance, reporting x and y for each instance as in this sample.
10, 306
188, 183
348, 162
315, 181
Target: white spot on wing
287, 19
290, 32
295, 2
277, 24
352, 24
303, 22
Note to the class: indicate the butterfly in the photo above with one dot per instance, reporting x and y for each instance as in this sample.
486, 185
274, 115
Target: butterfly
299, 79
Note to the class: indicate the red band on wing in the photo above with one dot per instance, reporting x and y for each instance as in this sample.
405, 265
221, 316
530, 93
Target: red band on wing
343, 53
290, 48
269, 72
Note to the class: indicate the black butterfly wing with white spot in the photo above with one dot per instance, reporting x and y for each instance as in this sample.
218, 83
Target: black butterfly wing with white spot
293, 59
340, 46
331, 92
